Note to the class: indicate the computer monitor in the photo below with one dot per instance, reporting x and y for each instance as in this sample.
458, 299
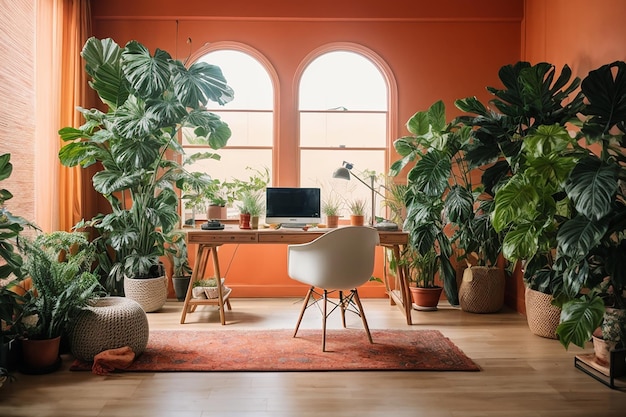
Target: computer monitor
293, 206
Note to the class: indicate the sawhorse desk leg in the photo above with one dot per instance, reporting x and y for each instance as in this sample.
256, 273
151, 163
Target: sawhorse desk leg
202, 258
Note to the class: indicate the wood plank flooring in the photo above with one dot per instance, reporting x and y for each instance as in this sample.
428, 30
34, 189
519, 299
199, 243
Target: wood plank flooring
522, 375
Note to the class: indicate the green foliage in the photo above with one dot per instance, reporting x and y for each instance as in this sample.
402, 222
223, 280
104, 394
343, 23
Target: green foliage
58, 264
178, 254
10, 227
150, 99
357, 207
591, 245
521, 145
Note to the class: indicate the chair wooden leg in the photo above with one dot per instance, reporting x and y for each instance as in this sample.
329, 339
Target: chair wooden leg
304, 306
358, 303
324, 320
342, 306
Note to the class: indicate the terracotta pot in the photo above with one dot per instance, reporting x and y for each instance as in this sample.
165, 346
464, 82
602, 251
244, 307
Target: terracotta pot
40, 356
244, 221
425, 299
357, 220
216, 212
602, 348
332, 222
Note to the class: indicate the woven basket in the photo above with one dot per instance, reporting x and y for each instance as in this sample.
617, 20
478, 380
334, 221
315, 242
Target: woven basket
543, 317
482, 290
111, 323
150, 293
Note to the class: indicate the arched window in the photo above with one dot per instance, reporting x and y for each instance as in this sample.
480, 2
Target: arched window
343, 115
250, 116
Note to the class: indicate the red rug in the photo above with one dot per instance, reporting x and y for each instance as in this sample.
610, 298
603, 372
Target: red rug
277, 350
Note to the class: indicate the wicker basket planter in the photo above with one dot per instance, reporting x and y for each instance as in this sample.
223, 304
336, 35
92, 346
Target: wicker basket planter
543, 317
150, 293
482, 290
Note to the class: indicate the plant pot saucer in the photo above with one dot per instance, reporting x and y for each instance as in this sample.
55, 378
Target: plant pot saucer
423, 308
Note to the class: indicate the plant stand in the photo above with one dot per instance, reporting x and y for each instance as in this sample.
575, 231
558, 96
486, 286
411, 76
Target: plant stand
609, 374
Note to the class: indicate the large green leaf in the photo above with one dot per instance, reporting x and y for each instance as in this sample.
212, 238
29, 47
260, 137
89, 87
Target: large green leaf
149, 76
516, 200
605, 89
579, 235
579, 318
103, 64
459, 204
522, 242
592, 186
202, 82
430, 174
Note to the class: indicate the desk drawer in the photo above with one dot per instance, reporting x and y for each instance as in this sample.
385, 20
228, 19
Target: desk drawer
219, 237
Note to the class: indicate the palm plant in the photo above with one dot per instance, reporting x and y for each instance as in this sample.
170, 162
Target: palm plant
150, 99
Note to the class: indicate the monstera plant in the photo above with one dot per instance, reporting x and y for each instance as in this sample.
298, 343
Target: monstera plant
150, 101
520, 143
591, 245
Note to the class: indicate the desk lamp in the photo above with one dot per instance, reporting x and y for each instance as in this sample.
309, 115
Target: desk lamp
344, 172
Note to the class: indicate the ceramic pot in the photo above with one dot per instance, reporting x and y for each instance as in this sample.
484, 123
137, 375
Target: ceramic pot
216, 212
254, 222
244, 221
425, 299
357, 220
40, 356
180, 285
332, 222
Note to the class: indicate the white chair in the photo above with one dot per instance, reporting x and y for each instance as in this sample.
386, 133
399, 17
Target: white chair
339, 260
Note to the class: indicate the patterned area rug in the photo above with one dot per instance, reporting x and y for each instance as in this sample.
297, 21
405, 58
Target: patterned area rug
277, 350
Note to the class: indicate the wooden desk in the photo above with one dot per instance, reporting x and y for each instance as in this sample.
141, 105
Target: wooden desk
209, 240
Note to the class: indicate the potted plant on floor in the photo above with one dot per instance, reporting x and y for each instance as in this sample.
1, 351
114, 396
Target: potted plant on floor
181, 270
521, 148
592, 244
421, 269
11, 273
150, 100
59, 265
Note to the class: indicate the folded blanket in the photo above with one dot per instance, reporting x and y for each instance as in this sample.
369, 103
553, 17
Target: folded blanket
112, 359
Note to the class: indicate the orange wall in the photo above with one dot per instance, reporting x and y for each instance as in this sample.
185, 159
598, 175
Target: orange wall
436, 50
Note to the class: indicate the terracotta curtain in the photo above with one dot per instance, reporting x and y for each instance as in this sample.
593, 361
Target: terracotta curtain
63, 26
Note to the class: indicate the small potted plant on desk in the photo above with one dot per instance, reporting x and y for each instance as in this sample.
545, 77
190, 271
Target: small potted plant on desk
357, 212
250, 209
331, 207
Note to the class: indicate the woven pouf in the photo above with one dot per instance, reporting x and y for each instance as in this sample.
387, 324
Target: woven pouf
111, 323
482, 290
543, 317
150, 293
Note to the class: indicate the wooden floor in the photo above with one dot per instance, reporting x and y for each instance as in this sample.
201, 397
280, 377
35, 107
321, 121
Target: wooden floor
522, 375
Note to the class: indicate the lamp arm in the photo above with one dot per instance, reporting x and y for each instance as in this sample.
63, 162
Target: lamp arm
367, 185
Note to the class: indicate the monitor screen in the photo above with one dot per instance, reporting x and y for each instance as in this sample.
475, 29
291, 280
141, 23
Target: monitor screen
292, 206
